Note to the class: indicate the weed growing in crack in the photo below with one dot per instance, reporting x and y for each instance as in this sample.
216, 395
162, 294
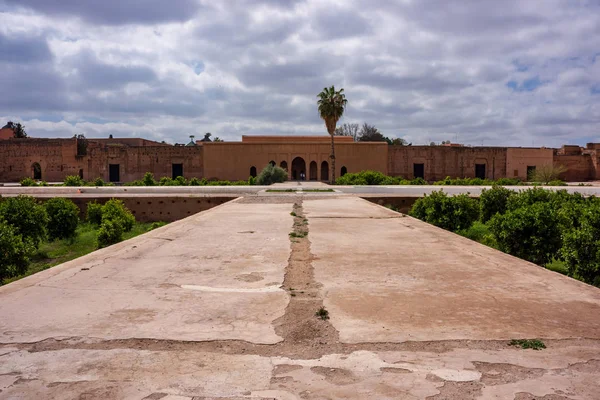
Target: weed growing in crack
535, 344
322, 313
298, 234
293, 214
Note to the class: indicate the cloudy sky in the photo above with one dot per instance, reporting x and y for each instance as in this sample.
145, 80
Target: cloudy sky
510, 72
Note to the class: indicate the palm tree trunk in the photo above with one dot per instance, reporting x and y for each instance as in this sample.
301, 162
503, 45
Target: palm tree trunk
332, 176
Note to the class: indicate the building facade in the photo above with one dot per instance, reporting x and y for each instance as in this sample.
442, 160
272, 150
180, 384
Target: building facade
128, 159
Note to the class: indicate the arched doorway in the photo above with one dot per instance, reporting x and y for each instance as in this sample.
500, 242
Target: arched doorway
344, 171
273, 163
298, 168
284, 165
253, 172
37, 171
313, 171
324, 171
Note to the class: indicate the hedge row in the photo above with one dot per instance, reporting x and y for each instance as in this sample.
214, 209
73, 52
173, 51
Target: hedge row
536, 225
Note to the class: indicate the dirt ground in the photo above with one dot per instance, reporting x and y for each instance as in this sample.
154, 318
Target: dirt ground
298, 297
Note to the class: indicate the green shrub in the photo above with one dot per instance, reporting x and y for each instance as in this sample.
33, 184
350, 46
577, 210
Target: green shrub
451, 213
14, 252
196, 182
180, 181
271, 174
529, 197
508, 182
156, 225
557, 182
252, 180
99, 182
26, 216
115, 211
63, 218
73, 180
94, 213
110, 232
581, 246
493, 201
531, 232
418, 181
479, 232
28, 182
148, 179
166, 181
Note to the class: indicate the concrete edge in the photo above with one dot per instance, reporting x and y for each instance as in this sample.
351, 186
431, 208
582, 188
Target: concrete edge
38, 277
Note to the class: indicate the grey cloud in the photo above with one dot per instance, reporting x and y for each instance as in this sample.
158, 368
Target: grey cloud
94, 73
333, 23
115, 12
24, 49
31, 88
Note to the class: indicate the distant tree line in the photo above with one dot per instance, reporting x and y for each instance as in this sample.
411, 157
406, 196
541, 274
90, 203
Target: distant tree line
368, 133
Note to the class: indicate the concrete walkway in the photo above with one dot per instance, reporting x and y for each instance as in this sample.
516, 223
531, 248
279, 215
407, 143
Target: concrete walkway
222, 305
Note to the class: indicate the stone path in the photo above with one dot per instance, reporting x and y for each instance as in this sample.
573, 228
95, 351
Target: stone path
222, 305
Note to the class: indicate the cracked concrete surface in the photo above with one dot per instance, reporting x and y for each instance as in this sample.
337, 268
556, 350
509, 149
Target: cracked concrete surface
225, 308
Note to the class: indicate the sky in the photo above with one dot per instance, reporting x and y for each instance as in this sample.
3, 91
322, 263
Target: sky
478, 72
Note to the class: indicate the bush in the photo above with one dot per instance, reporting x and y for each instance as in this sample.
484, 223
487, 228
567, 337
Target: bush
156, 225
493, 201
110, 232
547, 173
73, 180
450, 213
479, 232
148, 179
581, 246
531, 232
63, 218
115, 211
251, 180
26, 216
557, 182
198, 182
270, 175
166, 181
99, 182
28, 182
94, 213
418, 181
14, 252
180, 181
529, 197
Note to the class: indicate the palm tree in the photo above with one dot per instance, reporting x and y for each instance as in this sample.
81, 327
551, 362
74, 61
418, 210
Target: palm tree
331, 104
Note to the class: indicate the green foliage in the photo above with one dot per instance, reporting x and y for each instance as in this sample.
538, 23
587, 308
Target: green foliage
251, 180
180, 181
535, 344
480, 232
322, 313
531, 232
581, 246
451, 213
197, 182
477, 182
63, 218
28, 182
148, 179
547, 173
110, 232
271, 174
529, 197
493, 201
94, 213
99, 182
156, 225
73, 180
166, 181
115, 211
418, 181
26, 216
14, 252
557, 182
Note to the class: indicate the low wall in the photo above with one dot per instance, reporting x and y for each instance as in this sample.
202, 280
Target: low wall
402, 204
156, 208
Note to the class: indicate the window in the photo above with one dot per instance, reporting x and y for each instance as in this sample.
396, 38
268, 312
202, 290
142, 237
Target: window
530, 171
419, 170
480, 171
177, 170
114, 173
253, 172
344, 171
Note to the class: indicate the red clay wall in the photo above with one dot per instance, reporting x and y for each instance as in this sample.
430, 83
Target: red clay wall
233, 160
442, 161
579, 167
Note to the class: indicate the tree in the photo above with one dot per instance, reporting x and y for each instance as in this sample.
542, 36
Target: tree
368, 133
218, 139
396, 141
18, 129
27, 217
82, 144
547, 173
63, 218
348, 130
331, 105
14, 250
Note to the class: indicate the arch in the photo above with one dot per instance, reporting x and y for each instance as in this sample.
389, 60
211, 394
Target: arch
343, 171
253, 171
283, 165
273, 163
324, 171
313, 171
36, 170
298, 168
